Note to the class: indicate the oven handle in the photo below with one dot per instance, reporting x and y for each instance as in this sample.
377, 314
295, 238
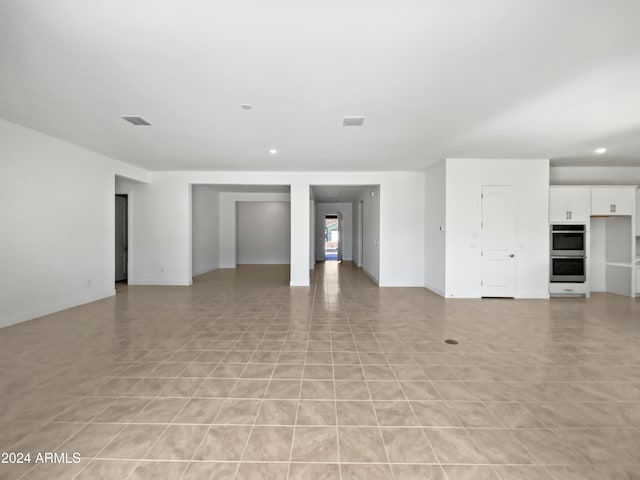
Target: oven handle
568, 256
568, 231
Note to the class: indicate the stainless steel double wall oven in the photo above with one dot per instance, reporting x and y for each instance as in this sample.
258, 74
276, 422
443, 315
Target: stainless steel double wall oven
568, 253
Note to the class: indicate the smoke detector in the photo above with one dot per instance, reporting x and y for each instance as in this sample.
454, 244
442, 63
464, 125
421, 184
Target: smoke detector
353, 121
136, 120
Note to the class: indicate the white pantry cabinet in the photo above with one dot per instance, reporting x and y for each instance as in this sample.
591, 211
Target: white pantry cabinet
572, 204
613, 200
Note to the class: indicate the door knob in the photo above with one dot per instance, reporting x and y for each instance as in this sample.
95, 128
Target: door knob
512, 255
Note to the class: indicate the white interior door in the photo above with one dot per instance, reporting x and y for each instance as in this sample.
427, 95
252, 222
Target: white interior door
340, 243
498, 241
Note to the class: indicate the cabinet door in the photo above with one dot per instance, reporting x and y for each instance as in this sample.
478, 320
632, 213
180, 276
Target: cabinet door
559, 204
568, 204
612, 201
580, 204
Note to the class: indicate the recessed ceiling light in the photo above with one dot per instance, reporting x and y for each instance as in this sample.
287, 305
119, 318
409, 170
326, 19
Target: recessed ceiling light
273, 151
600, 151
246, 106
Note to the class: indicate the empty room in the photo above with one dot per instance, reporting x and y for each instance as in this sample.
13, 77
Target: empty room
294, 240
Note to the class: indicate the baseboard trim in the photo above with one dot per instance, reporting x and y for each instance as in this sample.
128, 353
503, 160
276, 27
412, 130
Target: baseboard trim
535, 295
519, 296
159, 283
374, 279
205, 270
435, 290
41, 312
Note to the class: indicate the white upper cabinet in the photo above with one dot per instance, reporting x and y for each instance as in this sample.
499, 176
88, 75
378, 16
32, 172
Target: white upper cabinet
569, 204
613, 200
638, 222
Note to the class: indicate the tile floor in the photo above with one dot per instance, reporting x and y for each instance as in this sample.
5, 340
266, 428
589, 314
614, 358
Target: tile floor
241, 377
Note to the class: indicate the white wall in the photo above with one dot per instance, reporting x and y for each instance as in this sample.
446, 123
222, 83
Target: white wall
228, 220
58, 223
205, 208
434, 232
595, 175
371, 232
161, 221
401, 225
356, 233
263, 232
312, 231
464, 181
597, 255
346, 209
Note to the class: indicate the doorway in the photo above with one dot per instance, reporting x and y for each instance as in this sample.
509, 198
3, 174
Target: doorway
358, 210
498, 242
332, 238
121, 238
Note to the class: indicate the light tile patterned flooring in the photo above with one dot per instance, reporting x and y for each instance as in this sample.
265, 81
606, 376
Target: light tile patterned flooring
241, 377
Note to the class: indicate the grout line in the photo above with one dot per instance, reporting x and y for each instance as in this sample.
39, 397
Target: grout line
130, 423
335, 405
422, 428
195, 450
243, 324
375, 413
335, 395
241, 459
124, 424
161, 460
523, 429
295, 421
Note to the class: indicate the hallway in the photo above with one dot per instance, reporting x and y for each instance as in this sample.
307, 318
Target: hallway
242, 377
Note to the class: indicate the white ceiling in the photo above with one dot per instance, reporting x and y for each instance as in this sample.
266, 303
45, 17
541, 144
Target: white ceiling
337, 193
434, 79
249, 188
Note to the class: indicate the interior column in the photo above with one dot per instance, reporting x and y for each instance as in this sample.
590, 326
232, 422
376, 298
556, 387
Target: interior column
299, 235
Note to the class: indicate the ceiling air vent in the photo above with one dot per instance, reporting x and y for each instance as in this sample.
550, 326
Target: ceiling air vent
352, 121
135, 120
